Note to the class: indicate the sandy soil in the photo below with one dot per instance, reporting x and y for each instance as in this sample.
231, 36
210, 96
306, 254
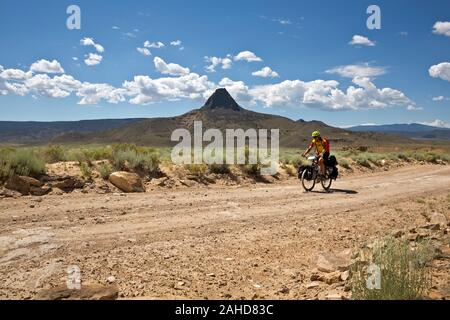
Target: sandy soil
257, 241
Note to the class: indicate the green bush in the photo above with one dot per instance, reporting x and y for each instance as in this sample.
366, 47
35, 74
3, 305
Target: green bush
98, 153
53, 153
131, 157
344, 163
105, 170
86, 170
122, 159
362, 160
404, 273
22, 162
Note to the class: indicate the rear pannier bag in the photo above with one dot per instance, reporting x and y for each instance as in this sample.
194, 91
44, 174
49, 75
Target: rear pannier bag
332, 162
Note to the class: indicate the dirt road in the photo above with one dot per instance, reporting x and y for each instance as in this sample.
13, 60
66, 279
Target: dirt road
217, 242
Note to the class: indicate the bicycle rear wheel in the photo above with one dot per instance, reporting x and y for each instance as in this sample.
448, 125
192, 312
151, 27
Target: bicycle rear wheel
326, 183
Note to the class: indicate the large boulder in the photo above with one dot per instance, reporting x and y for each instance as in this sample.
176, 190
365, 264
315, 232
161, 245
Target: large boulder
127, 181
22, 184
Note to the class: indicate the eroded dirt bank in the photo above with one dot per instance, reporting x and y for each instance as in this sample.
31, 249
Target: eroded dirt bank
257, 241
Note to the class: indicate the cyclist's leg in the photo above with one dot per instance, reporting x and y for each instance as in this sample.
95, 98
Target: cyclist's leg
322, 165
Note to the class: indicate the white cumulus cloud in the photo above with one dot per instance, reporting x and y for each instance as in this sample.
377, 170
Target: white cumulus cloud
93, 93
145, 90
357, 70
169, 68
91, 42
441, 70
144, 51
325, 94
176, 43
361, 41
247, 56
15, 74
45, 66
442, 27
93, 59
437, 123
320, 94
266, 72
156, 45
214, 62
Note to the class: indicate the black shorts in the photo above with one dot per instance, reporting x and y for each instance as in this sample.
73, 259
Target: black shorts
325, 157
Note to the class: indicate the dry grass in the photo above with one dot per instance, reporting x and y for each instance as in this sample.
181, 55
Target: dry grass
404, 273
23, 162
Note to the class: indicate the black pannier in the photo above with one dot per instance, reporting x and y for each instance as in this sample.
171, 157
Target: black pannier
300, 171
332, 162
334, 173
309, 171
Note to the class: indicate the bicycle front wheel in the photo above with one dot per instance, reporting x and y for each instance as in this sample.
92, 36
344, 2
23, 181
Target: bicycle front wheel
308, 185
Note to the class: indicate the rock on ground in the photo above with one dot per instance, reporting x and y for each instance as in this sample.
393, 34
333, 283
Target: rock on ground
22, 184
438, 218
87, 292
127, 181
329, 262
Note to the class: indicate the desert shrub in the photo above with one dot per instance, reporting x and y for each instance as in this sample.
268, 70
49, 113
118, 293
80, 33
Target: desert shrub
402, 156
139, 159
88, 154
445, 157
362, 160
117, 147
97, 153
299, 161
86, 170
122, 159
418, 156
375, 159
5, 165
196, 169
146, 162
77, 155
220, 168
344, 163
404, 272
53, 153
22, 162
105, 170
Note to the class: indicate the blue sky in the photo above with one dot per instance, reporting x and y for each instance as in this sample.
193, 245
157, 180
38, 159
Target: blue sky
398, 74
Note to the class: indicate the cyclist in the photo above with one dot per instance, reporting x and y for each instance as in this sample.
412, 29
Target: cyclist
322, 146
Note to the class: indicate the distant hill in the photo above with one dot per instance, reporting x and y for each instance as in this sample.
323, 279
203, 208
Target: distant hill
29, 132
413, 130
222, 112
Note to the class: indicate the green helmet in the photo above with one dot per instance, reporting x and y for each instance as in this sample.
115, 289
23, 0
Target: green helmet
316, 134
